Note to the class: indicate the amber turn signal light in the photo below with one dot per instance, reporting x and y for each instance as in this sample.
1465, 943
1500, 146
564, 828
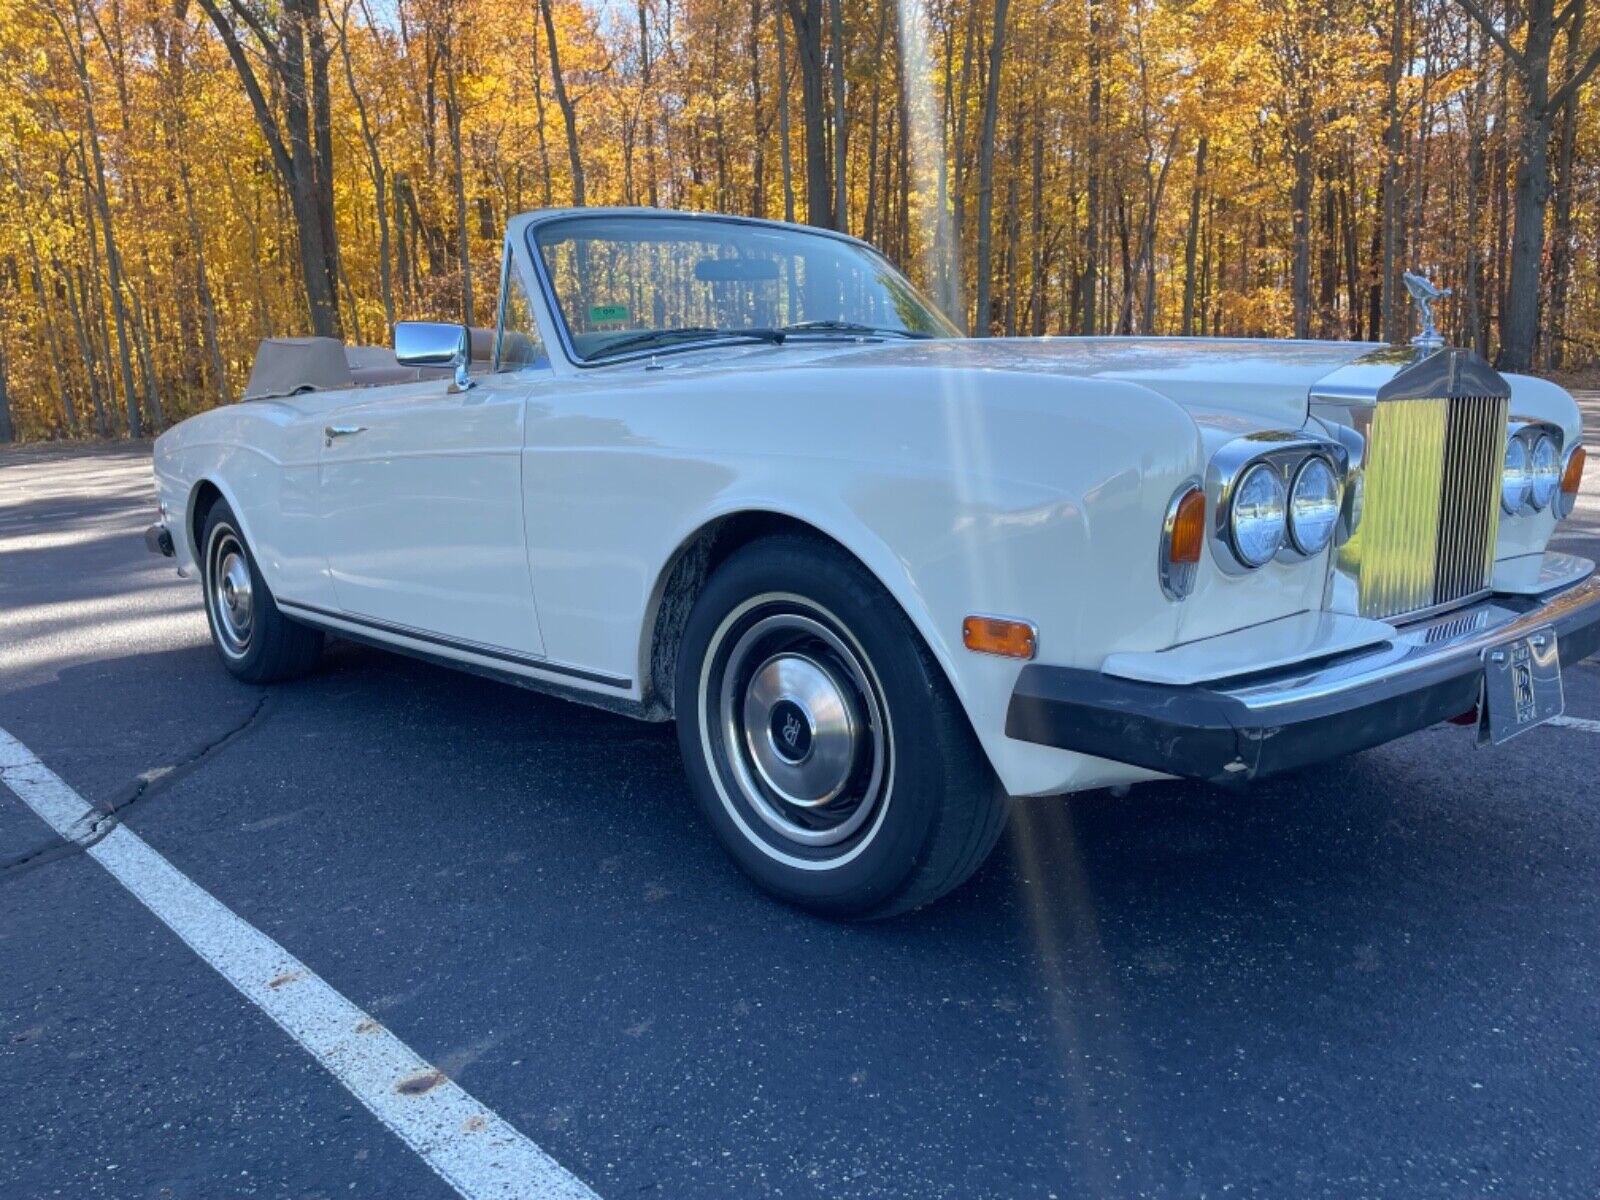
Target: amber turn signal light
996, 635
1572, 479
1182, 537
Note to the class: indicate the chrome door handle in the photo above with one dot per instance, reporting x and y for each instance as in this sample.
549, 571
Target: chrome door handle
329, 432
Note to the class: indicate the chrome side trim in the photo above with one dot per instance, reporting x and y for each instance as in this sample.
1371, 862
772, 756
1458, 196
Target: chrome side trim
324, 618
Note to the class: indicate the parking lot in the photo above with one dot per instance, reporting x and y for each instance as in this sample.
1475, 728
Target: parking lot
1379, 977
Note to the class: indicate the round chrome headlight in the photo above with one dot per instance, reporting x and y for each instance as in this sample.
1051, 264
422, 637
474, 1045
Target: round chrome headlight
1257, 517
1313, 506
1517, 479
1546, 471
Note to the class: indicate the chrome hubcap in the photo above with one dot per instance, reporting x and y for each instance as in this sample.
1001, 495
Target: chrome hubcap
802, 727
232, 601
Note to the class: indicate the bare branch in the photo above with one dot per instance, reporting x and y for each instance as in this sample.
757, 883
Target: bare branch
1476, 12
252, 87
253, 19
1570, 88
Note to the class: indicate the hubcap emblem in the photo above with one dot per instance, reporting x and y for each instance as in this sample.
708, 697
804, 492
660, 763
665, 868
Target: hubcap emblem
791, 730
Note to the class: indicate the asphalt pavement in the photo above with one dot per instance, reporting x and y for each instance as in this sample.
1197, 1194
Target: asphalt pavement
1376, 978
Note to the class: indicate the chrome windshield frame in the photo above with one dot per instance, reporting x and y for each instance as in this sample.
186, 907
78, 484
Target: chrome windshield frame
730, 338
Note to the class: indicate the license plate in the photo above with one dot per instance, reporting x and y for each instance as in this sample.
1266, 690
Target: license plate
1521, 686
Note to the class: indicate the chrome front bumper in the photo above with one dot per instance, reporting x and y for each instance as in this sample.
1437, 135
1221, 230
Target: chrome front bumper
1254, 725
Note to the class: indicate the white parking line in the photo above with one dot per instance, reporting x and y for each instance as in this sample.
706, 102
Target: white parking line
1577, 723
471, 1148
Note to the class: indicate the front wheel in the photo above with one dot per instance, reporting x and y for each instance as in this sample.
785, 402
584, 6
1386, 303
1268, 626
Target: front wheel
823, 742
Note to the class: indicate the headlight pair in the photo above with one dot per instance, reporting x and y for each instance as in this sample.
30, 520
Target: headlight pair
1266, 514
1274, 495
1532, 472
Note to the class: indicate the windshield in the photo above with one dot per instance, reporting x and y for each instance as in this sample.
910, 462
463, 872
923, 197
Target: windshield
645, 284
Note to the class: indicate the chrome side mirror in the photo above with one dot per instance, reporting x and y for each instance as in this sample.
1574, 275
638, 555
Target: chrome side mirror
435, 344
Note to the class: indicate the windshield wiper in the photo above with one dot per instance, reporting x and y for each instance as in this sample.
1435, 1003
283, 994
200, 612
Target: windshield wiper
638, 341
851, 327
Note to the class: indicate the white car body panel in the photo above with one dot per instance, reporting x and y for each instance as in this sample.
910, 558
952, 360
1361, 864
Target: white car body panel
541, 513
422, 511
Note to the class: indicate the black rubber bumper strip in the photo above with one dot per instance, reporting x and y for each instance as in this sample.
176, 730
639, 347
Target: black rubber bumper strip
1201, 732
158, 540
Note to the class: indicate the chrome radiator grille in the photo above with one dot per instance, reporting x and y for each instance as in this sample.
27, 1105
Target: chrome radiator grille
1430, 506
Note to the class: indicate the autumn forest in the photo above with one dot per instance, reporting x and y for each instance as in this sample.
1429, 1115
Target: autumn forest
180, 178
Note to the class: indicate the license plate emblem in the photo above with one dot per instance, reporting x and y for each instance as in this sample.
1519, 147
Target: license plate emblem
1521, 686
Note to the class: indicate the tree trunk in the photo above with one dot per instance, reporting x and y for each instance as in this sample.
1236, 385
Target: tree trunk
539, 117
646, 68
1154, 194
1561, 233
380, 198
569, 115
784, 153
141, 344
1519, 315
7, 433
806, 15
868, 218
58, 360
86, 349
1499, 173
1390, 183
841, 193
1012, 269
1530, 191
1473, 331
956, 300
1191, 243
1089, 320
758, 166
1300, 201
1352, 258
1036, 290
317, 54
208, 307
295, 162
96, 188
984, 320
458, 182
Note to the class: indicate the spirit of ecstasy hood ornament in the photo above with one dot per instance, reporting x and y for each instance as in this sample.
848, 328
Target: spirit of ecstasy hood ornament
1424, 293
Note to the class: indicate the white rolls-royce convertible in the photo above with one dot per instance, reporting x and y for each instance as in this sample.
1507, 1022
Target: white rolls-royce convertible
741, 475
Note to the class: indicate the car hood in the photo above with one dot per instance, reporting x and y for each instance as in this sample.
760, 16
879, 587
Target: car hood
1240, 383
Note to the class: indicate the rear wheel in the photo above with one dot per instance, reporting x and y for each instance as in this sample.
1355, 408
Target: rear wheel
257, 643
823, 742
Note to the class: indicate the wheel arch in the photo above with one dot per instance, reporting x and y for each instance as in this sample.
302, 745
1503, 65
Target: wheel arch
204, 494
698, 555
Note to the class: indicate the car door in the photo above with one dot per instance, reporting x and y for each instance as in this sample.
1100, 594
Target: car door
421, 505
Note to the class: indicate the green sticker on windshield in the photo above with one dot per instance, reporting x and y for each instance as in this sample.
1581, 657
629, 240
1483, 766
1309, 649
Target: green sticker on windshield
601, 313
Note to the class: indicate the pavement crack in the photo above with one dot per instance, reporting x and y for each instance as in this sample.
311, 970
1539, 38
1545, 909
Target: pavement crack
146, 784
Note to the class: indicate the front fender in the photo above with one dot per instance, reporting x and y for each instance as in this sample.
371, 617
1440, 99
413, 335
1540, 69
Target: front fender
1004, 493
